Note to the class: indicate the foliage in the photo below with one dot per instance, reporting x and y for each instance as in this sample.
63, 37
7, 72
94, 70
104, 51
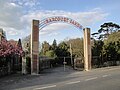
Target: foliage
77, 47
114, 37
112, 46
107, 50
45, 47
54, 45
97, 48
109, 27
62, 50
107, 45
7, 49
110, 51
106, 29
50, 53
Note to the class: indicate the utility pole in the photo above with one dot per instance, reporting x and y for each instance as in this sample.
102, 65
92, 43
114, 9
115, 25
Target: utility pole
71, 54
64, 63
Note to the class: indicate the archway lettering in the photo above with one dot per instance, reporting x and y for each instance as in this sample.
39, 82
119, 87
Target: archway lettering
40, 24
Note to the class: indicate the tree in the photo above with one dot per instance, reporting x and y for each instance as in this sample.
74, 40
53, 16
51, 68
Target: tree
51, 54
109, 35
62, 50
97, 48
106, 29
6, 49
112, 46
97, 52
45, 47
109, 28
10, 53
54, 45
114, 37
77, 47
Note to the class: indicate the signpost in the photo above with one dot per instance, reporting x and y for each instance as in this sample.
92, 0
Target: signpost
64, 63
71, 55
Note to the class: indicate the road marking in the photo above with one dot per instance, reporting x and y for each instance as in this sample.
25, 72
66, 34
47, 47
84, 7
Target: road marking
106, 75
73, 82
110, 69
45, 87
91, 78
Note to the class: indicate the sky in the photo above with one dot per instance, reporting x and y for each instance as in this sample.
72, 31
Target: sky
16, 17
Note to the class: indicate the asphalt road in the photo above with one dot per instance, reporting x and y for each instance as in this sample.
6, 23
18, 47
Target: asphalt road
57, 79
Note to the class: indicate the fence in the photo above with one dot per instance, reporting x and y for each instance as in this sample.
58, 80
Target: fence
45, 63
98, 62
9, 65
3, 71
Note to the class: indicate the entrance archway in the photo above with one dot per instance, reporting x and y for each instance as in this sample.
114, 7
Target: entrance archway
38, 25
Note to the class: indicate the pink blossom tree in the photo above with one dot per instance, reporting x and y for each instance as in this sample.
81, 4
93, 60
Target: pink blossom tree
7, 49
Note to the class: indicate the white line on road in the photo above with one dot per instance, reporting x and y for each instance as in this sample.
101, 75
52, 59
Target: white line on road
110, 69
45, 87
91, 78
106, 75
73, 82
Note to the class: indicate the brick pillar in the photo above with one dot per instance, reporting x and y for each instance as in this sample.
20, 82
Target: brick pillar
87, 49
35, 47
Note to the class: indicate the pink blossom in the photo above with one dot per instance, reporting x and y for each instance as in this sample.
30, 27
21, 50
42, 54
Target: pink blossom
7, 48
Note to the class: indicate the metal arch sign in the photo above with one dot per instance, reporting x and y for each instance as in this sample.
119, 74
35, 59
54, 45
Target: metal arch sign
37, 25
55, 19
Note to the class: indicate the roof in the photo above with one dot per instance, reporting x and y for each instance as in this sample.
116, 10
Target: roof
15, 43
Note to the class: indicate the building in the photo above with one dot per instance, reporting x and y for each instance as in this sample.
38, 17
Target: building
16, 61
2, 34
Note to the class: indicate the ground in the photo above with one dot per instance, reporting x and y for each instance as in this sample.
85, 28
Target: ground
57, 79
